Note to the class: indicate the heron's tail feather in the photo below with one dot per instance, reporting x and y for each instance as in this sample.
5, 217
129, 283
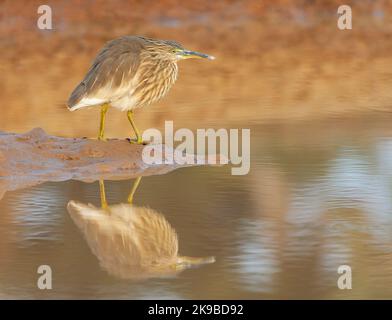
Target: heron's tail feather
80, 98
76, 96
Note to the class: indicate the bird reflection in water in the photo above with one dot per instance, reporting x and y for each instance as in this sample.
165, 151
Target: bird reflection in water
131, 242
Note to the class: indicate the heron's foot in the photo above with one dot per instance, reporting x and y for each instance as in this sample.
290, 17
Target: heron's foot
102, 139
137, 141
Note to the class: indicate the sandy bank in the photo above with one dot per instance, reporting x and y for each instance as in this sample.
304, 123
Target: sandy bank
35, 157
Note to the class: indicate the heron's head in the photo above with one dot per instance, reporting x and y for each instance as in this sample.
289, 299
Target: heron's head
168, 49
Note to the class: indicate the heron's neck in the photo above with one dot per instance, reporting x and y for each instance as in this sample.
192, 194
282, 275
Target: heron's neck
156, 76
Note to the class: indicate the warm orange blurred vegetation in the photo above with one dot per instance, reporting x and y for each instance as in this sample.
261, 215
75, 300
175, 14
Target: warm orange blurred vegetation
276, 61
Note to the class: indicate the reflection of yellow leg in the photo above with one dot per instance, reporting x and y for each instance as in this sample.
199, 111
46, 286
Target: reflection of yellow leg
104, 109
134, 187
138, 135
102, 193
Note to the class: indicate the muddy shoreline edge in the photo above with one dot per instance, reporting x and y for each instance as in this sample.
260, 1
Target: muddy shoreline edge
35, 157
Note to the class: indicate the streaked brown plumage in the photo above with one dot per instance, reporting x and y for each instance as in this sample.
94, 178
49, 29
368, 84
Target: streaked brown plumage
128, 73
131, 242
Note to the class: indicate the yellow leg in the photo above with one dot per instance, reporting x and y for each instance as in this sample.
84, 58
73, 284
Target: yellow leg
102, 193
134, 187
104, 109
138, 135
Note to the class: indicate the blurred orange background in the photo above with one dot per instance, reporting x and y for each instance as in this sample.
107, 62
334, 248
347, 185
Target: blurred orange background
276, 61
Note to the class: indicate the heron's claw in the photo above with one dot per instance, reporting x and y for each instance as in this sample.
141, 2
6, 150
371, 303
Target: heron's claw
137, 141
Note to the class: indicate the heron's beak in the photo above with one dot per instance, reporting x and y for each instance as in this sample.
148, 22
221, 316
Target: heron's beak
187, 54
188, 262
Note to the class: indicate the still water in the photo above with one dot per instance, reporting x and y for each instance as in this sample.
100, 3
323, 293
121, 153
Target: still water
318, 195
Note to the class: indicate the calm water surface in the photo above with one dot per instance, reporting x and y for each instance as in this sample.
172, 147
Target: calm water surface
318, 196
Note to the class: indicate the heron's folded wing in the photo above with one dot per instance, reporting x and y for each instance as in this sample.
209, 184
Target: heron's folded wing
111, 74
